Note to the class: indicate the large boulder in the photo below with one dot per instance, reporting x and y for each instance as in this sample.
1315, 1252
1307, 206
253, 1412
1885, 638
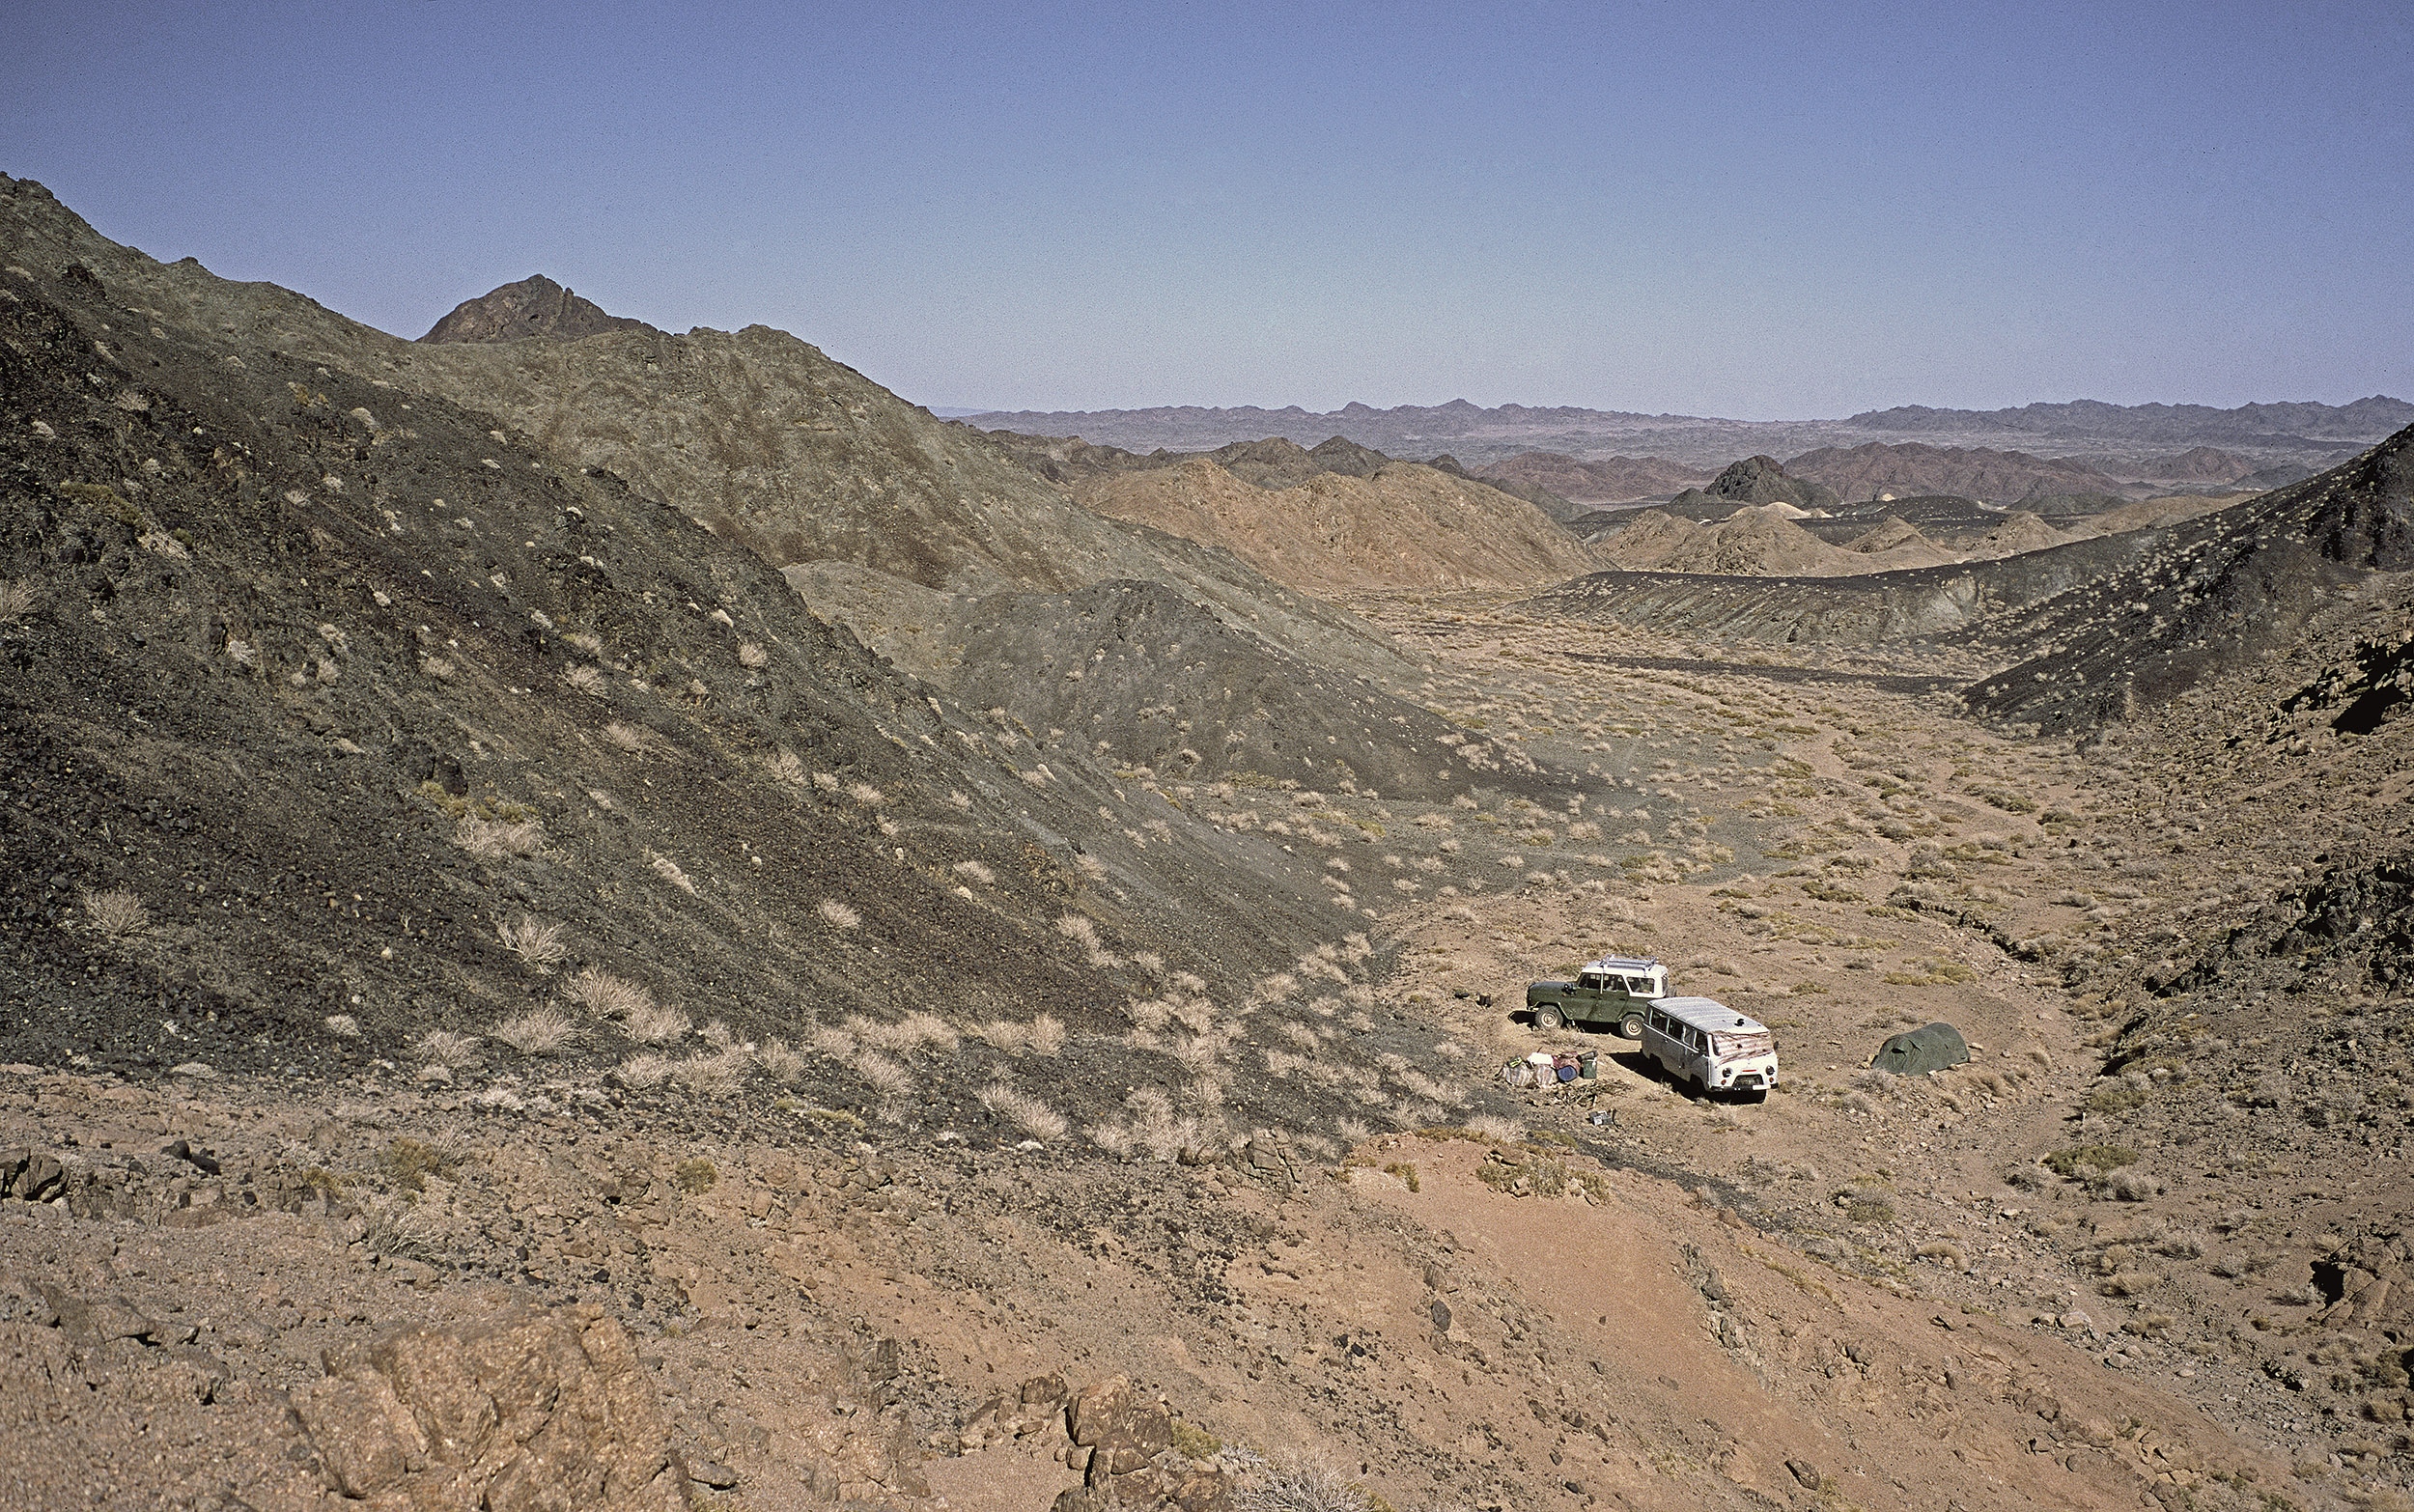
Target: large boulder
531, 1412
1916, 1053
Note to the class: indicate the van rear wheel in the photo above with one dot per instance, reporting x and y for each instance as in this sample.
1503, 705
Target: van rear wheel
1548, 1016
1631, 1026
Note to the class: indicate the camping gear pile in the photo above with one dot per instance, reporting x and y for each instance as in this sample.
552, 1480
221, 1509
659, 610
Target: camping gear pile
1543, 1069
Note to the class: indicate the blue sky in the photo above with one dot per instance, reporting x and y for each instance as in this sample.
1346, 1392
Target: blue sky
1755, 211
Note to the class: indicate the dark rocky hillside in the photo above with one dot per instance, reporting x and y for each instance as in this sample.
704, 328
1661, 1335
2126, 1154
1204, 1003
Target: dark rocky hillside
1911, 469
340, 718
1761, 480
2211, 594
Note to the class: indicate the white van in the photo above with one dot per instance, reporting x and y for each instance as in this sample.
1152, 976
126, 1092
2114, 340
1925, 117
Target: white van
1710, 1047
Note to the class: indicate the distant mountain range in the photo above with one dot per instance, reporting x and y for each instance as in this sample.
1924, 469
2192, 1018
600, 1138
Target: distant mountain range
2116, 438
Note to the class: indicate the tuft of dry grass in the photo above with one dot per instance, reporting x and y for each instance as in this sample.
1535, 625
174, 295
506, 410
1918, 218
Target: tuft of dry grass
116, 914
540, 1031
1035, 1118
884, 1076
493, 839
787, 768
443, 1047
780, 1061
1493, 1127
717, 1074
751, 655
866, 795
608, 996
586, 678
647, 1069
1079, 929
535, 941
16, 600
343, 1026
655, 1024
838, 915
669, 871
975, 871
833, 1042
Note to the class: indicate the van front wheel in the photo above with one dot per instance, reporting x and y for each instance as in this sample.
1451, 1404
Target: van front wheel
1631, 1026
1549, 1018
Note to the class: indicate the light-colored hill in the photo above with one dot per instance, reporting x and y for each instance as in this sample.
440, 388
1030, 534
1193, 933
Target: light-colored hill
1596, 480
1408, 527
1757, 541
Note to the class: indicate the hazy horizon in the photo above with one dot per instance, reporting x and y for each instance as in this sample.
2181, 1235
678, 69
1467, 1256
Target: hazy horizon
1702, 210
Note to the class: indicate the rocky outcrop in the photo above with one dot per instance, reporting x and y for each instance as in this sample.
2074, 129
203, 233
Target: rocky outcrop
1761, 480
534, 306
539, 1410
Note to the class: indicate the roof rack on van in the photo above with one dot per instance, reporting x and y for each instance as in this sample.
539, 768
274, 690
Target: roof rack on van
1708, 1013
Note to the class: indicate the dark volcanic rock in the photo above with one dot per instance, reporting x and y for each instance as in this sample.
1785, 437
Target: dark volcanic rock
1761, 480
534, 306
2209, 595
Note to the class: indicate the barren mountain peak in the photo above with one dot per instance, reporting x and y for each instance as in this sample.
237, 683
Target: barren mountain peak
534, 306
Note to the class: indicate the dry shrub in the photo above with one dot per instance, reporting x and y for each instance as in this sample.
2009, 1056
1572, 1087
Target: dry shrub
1944, 1252
717, 1074
443, 1047
915, 1031
780, 1061
588, 641
787, 768
16, 600
493, 839
540, 1031
884, 1076
117, 914
655, 1024
929, 1029
838, 915
1047, 1034
670, 871
535, 941
585, 677
866, 795
1082, 931
975, 871
1490, 1126
400, 1230
647, 1069
1035, 1118
751, 655
1003, 1034
833, 1042
608, 996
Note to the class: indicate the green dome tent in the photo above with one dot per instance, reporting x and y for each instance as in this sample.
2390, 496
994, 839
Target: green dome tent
1918, 1051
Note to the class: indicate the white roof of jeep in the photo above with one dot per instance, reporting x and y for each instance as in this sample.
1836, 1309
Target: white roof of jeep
1708, 1013
1623, 966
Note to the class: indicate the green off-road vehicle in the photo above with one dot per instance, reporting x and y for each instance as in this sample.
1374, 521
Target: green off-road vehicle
1614, 991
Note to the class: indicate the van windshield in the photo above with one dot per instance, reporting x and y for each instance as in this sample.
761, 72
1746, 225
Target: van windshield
1732, 1047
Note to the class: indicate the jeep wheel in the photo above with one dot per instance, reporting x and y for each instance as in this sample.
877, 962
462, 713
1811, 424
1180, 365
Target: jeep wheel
1631, 1026
1549, 1018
